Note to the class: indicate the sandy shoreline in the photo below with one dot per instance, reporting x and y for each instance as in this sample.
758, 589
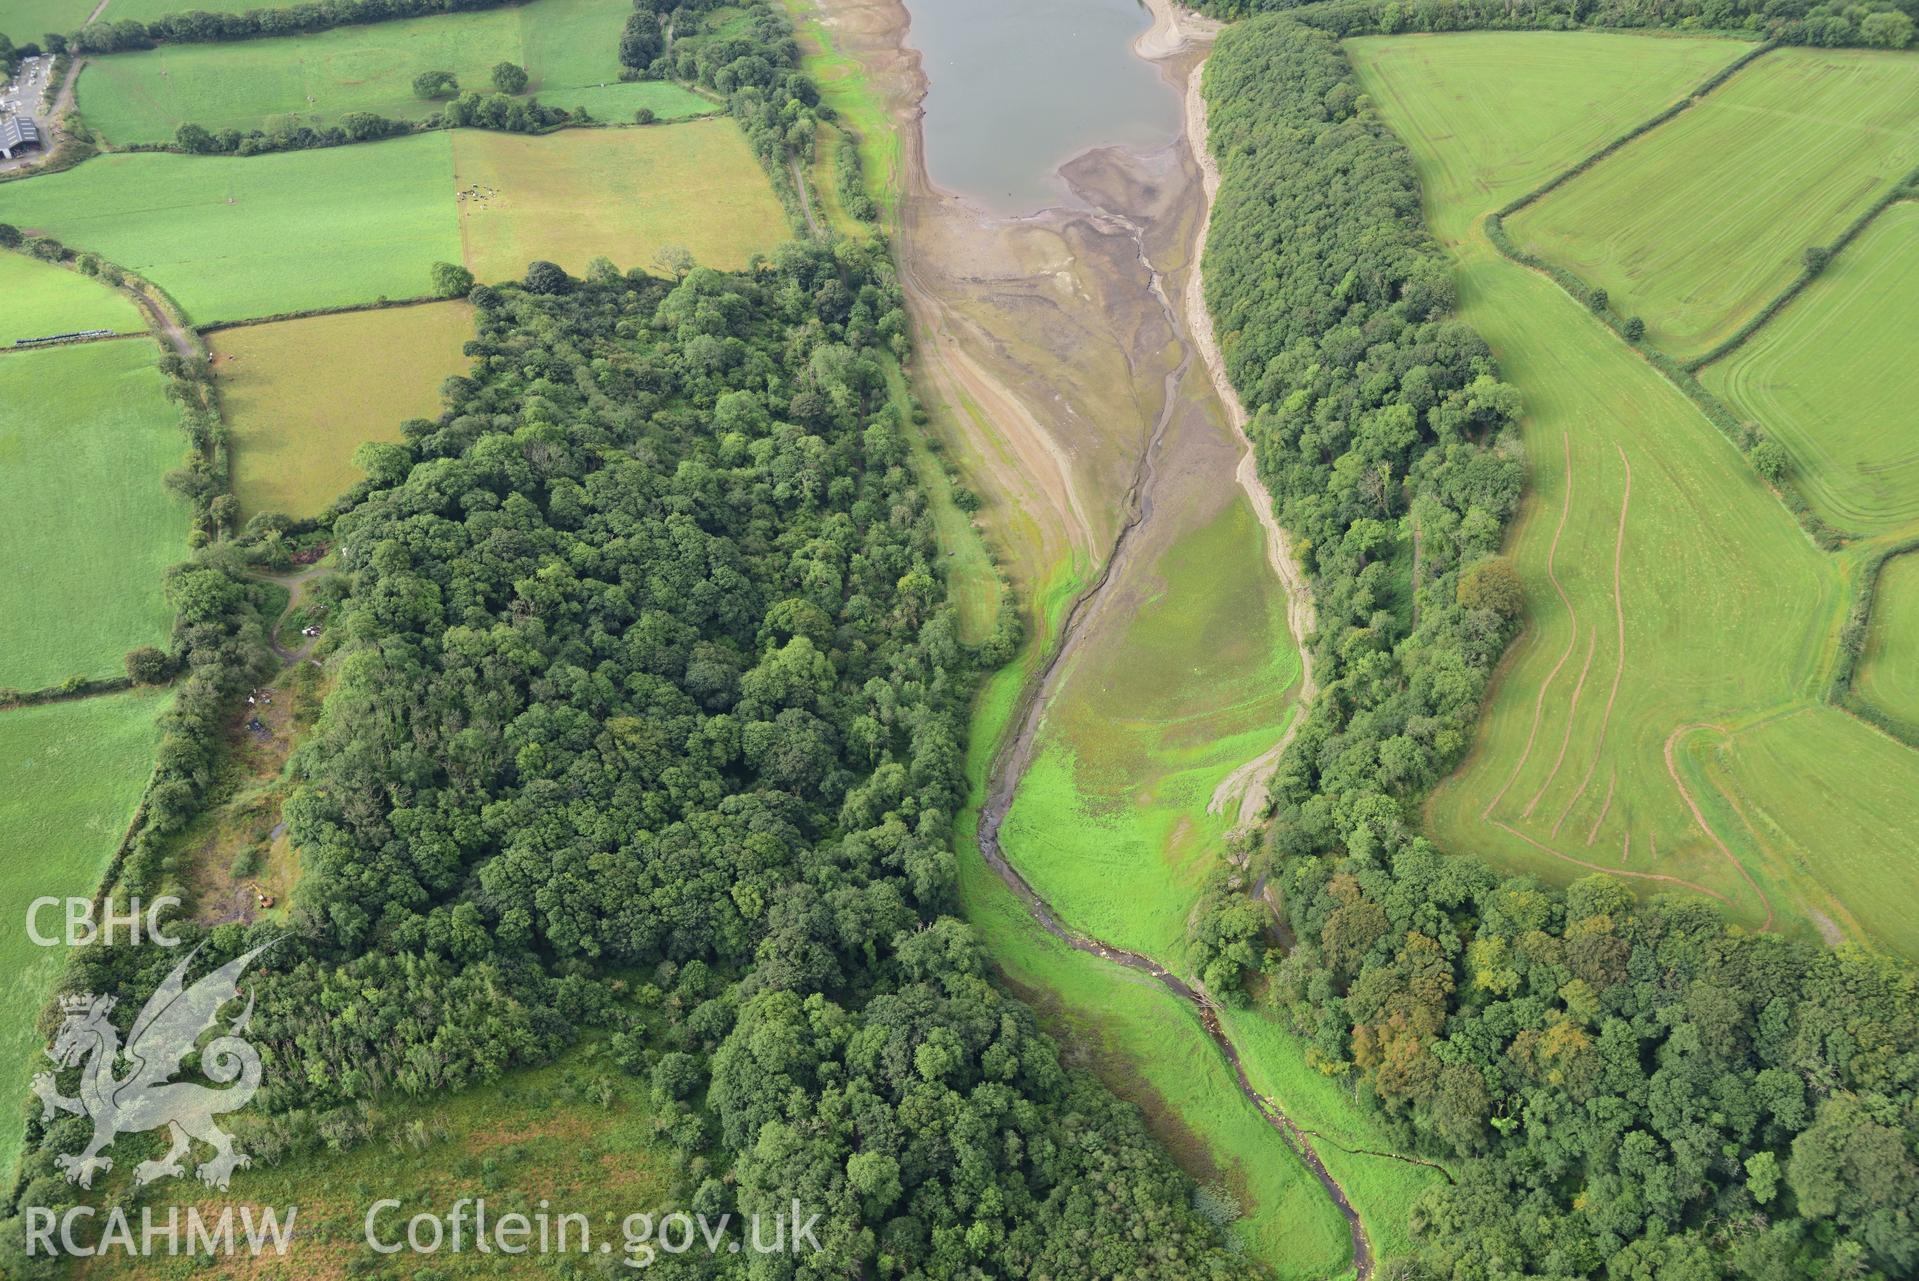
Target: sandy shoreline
1174, 31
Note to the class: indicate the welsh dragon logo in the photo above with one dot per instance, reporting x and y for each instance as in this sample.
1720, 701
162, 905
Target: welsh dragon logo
146, 1097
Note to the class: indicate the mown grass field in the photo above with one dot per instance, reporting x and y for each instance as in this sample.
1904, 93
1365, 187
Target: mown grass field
1166, 698
576, 1137
1888, 675
71, 775
32, 20
1451, 98
1697, 225
568, 47
1650, 553
238, 237
624, 194
41, 300
88, 529
301, 395
1831, 377
1831, 804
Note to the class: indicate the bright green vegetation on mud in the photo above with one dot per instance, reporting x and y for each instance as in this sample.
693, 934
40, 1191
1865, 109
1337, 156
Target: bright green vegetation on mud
42, 300
86, 436
844, 86
1380, 1185
1698, 224
1110, 823
1149, 1047
1591, 754
1888, 674
238, 237
568, 47
71, 775
1831, 377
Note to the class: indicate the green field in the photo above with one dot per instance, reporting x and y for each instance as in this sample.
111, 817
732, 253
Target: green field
88, 529
300, 396
1831, 377
568, 47
237, 237
1830, 802
623, 194
1192, 678
576, 1137
1697, 225
70, 777
1888, 675
1649, 552
30, 20
42, 300
1451, 98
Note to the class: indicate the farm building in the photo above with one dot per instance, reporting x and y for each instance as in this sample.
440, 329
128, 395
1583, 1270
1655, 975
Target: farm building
16, 134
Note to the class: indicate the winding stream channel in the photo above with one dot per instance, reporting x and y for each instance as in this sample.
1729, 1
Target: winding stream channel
1049, 247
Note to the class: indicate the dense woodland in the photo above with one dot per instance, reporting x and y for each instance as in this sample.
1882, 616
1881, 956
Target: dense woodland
646, 732
1629, 1089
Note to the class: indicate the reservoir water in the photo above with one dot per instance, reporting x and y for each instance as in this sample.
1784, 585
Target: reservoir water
1018, 87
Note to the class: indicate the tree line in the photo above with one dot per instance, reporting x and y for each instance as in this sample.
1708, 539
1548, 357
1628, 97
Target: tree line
1884, 24
197, 26
1625, 1088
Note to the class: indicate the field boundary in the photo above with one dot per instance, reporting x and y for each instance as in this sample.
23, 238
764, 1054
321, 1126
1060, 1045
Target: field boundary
1744, 436
71, 690
345, 309
1853, 635
1703, 88
1905, 189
